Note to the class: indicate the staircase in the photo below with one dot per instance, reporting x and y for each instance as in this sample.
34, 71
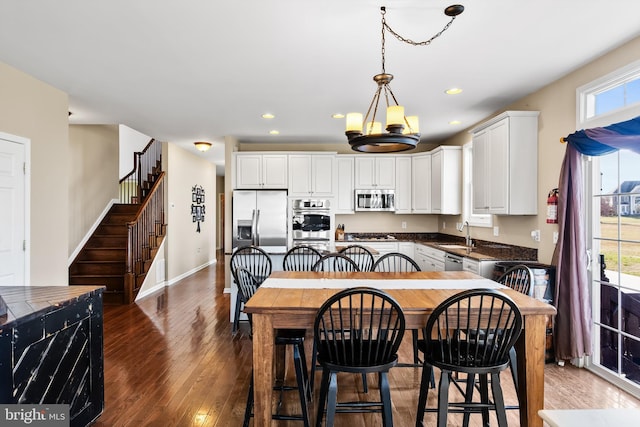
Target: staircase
120, 252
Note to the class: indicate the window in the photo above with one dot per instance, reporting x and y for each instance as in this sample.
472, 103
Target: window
601, 100
475, 220
613, 223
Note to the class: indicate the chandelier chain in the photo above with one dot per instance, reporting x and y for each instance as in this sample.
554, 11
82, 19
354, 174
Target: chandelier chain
409, 41
384, 24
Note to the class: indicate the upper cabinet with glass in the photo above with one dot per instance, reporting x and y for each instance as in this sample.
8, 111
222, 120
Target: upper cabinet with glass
505, 164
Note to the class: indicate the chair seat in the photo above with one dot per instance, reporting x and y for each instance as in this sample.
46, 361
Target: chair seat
353, 356
478, 361
290, 336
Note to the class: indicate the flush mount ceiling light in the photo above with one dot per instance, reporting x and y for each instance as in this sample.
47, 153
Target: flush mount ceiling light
402, 131
202, 145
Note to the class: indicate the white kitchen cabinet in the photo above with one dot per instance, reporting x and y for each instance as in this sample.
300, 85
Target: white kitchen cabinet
375, 173
311, 175
482, 268
446, 180
260, 171
407, 248
421, 183
403, 184
381, 247
345, 200
428, 258
505, 164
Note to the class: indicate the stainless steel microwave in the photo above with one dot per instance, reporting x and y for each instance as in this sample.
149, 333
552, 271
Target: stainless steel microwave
375, 200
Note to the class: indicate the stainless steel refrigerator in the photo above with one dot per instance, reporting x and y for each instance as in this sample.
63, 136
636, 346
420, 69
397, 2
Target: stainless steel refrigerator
259, 217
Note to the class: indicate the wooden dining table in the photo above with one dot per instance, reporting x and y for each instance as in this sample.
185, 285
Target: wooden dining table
290, 300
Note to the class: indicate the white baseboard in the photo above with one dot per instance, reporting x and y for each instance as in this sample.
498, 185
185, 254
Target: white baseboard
190, 272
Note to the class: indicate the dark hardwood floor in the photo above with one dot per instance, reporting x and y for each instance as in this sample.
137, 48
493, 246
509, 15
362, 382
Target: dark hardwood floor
171, 360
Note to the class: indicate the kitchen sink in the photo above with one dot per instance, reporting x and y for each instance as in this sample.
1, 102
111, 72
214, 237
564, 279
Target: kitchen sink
453, 246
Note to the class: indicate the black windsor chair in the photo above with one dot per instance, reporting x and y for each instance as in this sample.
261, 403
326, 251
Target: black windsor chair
471, 332
300, 258
357, 330
335, 262
247, 286
258, 262
360, 255
398, 262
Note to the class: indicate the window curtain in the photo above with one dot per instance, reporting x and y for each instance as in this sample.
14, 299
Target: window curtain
573, 327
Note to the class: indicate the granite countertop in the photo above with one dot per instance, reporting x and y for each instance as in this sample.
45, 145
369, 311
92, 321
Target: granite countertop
482, 251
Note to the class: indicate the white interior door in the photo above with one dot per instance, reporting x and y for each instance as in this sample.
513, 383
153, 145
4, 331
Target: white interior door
12, 210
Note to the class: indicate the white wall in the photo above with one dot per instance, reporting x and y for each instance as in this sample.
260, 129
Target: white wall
131, 141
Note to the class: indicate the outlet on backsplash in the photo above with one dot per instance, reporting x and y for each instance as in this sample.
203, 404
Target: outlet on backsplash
403, 225
444, 225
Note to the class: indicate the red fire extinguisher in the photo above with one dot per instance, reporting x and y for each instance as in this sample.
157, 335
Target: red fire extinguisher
552, 207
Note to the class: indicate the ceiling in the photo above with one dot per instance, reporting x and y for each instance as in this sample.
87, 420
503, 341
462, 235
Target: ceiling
203, 69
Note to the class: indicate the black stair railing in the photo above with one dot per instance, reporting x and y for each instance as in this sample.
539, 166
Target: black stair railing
147, 164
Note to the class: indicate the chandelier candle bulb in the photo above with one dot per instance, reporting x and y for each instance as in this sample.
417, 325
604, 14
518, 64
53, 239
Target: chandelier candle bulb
412, 125
354, 122
395, 116
374, 128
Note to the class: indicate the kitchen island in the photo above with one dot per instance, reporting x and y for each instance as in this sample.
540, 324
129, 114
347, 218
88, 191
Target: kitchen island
276, 306
51, 348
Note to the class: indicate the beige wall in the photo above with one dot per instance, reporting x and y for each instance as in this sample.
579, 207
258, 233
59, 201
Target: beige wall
219, 213
387, 222
187, 250
557, 105
35, 110
93, 177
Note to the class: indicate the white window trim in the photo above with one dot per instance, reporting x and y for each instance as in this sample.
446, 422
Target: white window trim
585, 94
475, 220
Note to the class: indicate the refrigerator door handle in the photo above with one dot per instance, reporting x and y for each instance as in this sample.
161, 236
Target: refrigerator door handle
254, 227
257, 234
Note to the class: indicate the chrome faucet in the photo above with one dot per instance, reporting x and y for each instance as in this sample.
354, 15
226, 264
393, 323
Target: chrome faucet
468, 240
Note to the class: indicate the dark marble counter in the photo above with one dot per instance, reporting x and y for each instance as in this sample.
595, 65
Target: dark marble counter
482, 250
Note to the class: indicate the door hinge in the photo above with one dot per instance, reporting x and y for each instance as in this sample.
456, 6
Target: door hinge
24, 245
24, 168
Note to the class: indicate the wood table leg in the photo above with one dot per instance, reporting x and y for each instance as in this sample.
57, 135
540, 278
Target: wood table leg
263, 356
530, 350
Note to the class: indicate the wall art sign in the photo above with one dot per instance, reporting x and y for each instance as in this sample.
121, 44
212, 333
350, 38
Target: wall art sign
197, 205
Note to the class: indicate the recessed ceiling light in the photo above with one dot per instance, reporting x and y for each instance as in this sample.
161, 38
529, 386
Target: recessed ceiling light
455, 122
453, 91
268, 116
338, 116
274, 132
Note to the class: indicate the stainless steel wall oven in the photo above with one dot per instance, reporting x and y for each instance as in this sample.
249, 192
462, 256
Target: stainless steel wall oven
311, 222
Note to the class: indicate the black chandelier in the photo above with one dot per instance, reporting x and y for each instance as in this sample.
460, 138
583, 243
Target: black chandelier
403, 132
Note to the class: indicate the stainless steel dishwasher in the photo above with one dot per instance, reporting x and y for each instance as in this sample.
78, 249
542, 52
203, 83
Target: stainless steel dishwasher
452, 262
